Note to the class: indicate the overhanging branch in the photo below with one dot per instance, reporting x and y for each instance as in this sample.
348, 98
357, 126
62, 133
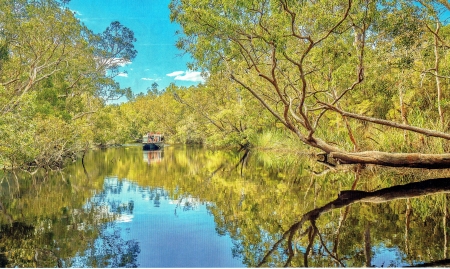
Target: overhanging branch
389, 123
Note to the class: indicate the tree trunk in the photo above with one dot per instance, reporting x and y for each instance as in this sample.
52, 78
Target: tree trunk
402, 106
413, 160
436, 75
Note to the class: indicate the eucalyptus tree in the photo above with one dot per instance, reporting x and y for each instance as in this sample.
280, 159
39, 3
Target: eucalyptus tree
41, 80
39, 47
53, 77
114, 48
313, 64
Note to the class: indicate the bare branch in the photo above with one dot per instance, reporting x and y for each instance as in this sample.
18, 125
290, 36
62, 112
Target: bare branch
389, 123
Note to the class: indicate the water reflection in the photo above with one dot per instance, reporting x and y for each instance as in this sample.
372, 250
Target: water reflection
345, 199
205, 208
47, 224
153, 156
169, 232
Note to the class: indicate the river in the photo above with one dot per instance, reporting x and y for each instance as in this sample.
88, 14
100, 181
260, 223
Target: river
194, 207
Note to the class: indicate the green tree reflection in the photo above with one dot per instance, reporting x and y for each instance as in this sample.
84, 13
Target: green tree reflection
257, 198
46, 223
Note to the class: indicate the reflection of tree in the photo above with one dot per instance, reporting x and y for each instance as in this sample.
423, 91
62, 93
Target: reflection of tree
5, 214
444, 224
255, 203
45, 221
110, 250
444, 262
346, 198
187, 202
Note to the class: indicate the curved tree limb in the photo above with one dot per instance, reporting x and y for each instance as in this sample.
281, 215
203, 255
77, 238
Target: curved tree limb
389, 123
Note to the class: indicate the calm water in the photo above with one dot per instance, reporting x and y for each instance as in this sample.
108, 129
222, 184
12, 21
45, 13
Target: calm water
192, 207
169, 232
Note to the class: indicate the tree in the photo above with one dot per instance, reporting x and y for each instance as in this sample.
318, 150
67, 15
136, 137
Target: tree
38, 52
312, 63
114, 48
222, 114
47, 81
153, 89
53, 77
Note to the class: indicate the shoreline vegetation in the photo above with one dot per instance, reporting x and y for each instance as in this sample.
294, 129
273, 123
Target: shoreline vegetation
365, 84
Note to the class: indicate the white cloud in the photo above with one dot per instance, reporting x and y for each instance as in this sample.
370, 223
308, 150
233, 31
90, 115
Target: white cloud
151, 79
175, 74
121, 74
190, 76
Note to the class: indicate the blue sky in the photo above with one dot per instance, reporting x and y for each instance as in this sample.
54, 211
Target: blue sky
158, 60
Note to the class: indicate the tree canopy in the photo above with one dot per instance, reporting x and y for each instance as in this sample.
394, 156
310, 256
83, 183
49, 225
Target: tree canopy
360, 81
54, 75
336, 74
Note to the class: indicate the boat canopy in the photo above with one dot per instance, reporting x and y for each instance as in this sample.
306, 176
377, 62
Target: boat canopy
152, 138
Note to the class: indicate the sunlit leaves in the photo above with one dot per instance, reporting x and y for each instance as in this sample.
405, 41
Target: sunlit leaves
369, 57
51, 73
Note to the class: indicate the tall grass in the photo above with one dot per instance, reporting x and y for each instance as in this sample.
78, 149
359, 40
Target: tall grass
277, 139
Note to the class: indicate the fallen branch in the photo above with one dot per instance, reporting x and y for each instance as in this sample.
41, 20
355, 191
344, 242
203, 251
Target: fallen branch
412, 160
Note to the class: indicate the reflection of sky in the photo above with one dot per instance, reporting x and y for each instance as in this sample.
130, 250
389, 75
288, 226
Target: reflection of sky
171, 233
169, 236
387, 257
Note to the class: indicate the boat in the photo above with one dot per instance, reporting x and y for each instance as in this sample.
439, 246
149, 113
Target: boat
153, 141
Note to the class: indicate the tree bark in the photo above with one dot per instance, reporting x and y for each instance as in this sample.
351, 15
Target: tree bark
413, 160
436, 71
410, 160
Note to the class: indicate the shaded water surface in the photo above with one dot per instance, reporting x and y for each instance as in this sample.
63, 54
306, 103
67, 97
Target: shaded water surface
192, 207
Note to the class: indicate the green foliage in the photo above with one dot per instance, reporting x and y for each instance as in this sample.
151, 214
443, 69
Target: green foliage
270, 66
48, 101
307, 61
